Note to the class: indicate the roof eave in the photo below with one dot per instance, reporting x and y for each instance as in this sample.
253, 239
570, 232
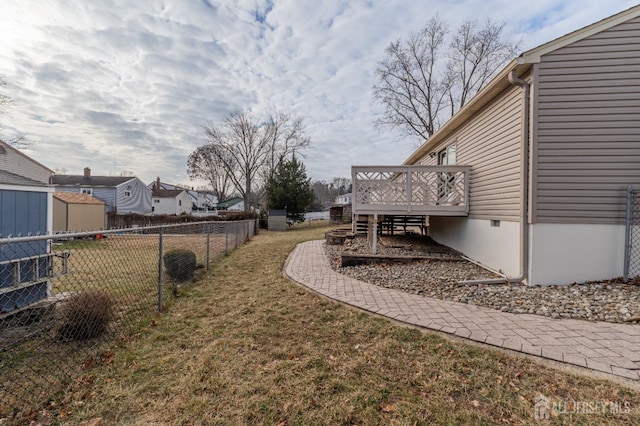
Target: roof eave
22, 154
534, 55
496, 86
521, 65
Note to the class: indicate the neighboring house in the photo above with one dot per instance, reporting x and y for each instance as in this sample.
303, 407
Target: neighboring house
344, 198
14, 161
25, 209
171, 201
122, 195
529, 177
74, 211
202, 201
233, 204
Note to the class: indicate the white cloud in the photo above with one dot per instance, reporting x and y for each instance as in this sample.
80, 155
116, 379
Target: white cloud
120, 85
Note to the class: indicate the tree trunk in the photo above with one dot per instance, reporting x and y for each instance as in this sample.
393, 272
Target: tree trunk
247, 194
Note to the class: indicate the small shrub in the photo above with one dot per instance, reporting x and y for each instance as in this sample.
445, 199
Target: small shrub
85, 315
180, 264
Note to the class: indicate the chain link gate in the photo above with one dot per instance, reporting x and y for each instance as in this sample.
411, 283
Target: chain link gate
632, 235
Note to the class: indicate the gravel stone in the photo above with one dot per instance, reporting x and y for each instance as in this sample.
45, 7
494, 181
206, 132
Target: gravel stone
611, 300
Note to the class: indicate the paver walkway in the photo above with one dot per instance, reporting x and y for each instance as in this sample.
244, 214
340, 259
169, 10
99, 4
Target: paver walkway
607, 347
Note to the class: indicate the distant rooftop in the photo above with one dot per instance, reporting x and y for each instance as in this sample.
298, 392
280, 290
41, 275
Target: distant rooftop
76, 198
167, 193
79, 180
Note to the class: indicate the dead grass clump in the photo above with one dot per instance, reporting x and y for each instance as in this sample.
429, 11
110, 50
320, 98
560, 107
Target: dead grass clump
85, 315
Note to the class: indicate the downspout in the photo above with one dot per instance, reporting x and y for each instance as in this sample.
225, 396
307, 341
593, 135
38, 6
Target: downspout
524, 191
524, 181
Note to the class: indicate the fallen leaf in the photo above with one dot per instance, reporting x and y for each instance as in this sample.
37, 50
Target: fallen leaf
89, 364
475, 403
387, 408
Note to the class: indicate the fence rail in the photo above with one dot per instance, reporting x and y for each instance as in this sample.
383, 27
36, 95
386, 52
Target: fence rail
64, 297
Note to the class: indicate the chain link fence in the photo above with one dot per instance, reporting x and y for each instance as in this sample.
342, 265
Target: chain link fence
632, 235
66, 298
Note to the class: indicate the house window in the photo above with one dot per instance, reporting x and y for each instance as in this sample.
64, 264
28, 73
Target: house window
156, 201
87, 191
127, 193
447, 180
180, 203
447, 157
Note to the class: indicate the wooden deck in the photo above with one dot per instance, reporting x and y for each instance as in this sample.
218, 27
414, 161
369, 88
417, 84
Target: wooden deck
411, 190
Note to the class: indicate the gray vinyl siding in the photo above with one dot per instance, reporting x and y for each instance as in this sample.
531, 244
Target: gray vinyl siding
13, 162
490, 143
588, 131
115, 198
107, 196
138, 202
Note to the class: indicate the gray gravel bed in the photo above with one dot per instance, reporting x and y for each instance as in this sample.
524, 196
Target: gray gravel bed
611, 301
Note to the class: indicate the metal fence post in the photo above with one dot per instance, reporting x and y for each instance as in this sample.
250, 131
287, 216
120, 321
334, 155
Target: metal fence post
208, 240
627, 233
226, 239
160, 270
35, 268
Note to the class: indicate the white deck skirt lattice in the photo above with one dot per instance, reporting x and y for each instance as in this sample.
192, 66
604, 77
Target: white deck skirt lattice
411, 190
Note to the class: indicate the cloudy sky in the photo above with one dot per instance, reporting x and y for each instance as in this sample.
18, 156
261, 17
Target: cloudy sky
128, 85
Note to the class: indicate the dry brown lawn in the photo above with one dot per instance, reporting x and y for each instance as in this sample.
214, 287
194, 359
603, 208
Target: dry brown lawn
247, 346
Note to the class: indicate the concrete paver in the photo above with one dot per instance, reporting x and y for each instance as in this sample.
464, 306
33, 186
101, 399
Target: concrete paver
606, 347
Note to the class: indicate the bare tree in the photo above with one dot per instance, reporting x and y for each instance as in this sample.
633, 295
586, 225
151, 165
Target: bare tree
409, 86
286, 136
247, 150
340, 185
476, 54
19, 140
203, 163
419, 82
4, 98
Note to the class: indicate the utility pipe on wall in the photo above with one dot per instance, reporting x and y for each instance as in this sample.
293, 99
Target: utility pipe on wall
524, 180
524, 191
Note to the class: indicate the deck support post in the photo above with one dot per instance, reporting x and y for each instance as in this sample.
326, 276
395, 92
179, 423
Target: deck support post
374, 231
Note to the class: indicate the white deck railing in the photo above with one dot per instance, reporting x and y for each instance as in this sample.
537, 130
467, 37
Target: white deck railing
411, 190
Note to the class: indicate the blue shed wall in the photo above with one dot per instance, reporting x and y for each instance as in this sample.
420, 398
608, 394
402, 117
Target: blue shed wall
22, 213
